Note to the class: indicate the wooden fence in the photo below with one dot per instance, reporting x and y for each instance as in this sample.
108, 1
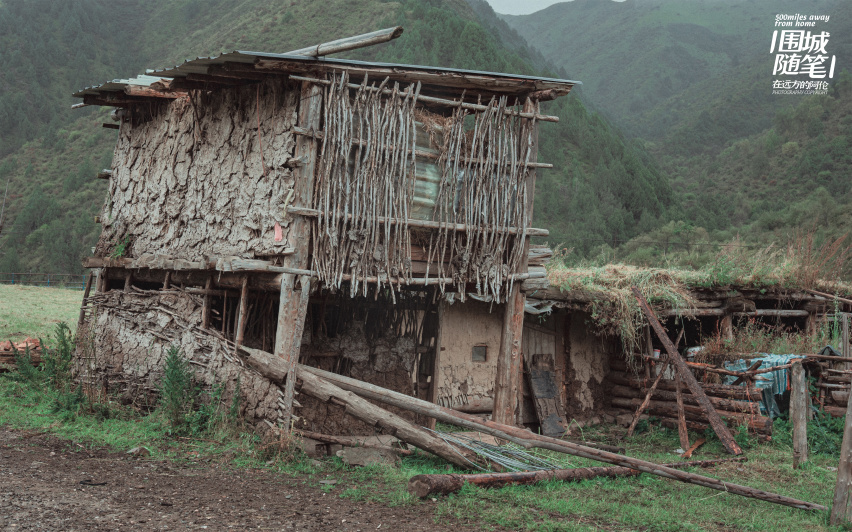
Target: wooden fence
73, 281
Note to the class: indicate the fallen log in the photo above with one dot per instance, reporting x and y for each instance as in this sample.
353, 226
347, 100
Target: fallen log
529, 440
425, 485
756, 423
722, 404
688, 378
748, 393
378, 417
350, 442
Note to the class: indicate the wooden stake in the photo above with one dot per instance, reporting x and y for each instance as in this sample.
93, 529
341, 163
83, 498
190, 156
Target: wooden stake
799, 414
841, 508
167, 280
242, 317
689, 379
844, 338
128, 280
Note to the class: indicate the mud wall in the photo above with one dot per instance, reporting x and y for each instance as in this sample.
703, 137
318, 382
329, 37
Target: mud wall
197, 177
128, 336
463, 326
586, 365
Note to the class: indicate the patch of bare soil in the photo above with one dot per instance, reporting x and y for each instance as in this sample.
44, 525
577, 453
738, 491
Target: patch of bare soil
52, 484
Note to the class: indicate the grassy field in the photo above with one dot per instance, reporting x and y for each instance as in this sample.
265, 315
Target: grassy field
34, 311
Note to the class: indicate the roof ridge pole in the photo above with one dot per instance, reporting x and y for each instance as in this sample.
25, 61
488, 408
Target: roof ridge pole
349, 43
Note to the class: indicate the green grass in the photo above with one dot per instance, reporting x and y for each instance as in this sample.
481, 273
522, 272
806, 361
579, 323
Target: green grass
34, 311
646, 502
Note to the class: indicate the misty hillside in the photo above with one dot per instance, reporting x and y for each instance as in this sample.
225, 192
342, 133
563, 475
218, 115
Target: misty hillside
602, 188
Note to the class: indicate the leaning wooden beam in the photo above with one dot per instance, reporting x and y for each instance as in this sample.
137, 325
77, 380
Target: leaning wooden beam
438, 101
381, 418
429, 484
689, 379
428, 224
647, 400
242, 317
320, 135
831, 296
86, 292
349, 43
528, 439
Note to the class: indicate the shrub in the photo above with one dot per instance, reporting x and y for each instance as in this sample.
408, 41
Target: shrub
177, 391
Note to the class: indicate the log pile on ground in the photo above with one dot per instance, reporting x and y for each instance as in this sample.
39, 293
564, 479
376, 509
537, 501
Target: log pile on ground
8, 349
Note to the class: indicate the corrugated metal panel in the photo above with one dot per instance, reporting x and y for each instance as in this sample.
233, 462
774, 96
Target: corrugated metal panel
199, 65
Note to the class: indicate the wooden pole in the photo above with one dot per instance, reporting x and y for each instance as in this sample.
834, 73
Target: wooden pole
436, 364
380, 418
298, 331
349, 43
242, 317
167, 279
350, 442
841, 508
292, 310
799, 414
528, 439
85, 297
716, 422
682, 433
430, 484
647, 400
844, 338
508, 377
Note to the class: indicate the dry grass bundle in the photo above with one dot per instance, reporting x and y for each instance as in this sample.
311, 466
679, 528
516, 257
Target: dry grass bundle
614, 309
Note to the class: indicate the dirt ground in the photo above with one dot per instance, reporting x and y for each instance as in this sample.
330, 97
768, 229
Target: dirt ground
46, 484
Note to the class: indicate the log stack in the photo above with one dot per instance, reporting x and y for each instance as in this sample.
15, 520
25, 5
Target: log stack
9, 348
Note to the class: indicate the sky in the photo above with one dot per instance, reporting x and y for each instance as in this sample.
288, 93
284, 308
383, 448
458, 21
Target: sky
521, 7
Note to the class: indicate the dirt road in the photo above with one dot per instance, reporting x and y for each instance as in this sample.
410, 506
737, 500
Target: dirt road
40, 489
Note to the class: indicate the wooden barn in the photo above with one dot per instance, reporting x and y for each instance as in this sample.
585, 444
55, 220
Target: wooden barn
372, 220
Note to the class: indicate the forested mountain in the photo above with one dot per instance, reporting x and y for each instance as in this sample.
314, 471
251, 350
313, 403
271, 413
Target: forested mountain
691, 82
602, 189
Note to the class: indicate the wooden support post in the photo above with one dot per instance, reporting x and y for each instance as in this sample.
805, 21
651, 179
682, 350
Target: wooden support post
292, 310
841, 507
844, 338
436, 365
508, 379
242, 317
86, 292
205, 310
684, 373
682, 433
799, 414
726, 324
167, 280
298, 330
128, 280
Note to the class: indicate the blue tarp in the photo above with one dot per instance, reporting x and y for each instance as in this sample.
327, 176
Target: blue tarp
775, 382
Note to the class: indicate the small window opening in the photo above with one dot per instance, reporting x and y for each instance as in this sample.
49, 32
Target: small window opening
480, 353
